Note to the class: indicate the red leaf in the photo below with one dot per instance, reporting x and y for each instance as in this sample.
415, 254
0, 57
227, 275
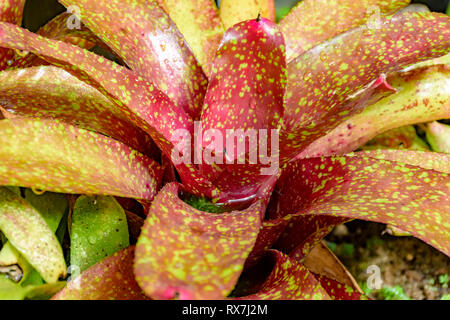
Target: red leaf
10, 11
288, 280
422, 96
137, 98
311, 22
245, 92
199, 22
202, 253
334, 80
110, 279
149, 42
410, 198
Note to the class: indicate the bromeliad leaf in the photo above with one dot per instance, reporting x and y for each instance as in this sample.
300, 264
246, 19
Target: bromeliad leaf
235, 11
410, 198
199, 22
149, 42
422, 95
146, 106
32, 146
311, 22
344, 71
29, 233
98, 229
51, 206
288, 280
438, 136
51, 92
110, 279
10, 11
202, 253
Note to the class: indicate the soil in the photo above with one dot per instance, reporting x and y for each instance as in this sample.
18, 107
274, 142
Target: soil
418, 268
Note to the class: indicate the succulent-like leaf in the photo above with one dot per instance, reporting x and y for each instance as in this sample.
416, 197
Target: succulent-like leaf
334, 80
200, 24
422, 95
110, 279
10, 11
235, 11
53, 156
250, 67
288, 280
145, 105
438, 136
27, 231
339, 291
410, 198
399, 138
98, 229
51, 92
10, 290
150, 44
202, 253
311, 22
427, 160
51, 206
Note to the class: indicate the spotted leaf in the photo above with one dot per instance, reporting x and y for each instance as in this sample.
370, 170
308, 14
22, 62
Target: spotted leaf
51, 92
146, 106
110, 279
311, 22
334, 80
235, 11
422, 95
51, 155
150, 43
28, 232
287, 280
202, 253
199, 22
10, 11
245, 92
408, 197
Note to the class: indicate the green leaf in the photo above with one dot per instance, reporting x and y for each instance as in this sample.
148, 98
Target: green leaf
202, 253
54, 156
29, 233
12, 291
51, 206
311, 22
99, 229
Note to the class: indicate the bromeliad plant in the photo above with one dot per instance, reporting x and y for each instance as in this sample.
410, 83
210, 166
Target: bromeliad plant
329, 77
